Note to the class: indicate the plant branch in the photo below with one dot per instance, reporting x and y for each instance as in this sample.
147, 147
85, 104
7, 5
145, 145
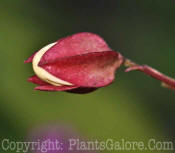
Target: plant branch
167, 81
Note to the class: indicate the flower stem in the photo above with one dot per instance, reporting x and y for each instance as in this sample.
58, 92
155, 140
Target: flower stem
167, 81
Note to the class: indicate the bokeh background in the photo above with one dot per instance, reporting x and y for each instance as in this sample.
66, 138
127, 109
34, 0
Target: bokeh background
134, 107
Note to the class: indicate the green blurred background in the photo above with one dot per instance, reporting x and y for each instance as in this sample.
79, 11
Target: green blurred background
134, 107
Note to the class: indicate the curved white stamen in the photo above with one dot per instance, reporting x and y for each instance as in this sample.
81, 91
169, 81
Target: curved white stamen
43, 74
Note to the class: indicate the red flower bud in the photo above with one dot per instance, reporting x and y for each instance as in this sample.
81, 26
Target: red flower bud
79, 63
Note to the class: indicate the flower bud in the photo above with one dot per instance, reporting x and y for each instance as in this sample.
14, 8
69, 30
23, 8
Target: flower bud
79, 63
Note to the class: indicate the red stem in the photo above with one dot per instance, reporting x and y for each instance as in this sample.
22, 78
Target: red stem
166, 81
